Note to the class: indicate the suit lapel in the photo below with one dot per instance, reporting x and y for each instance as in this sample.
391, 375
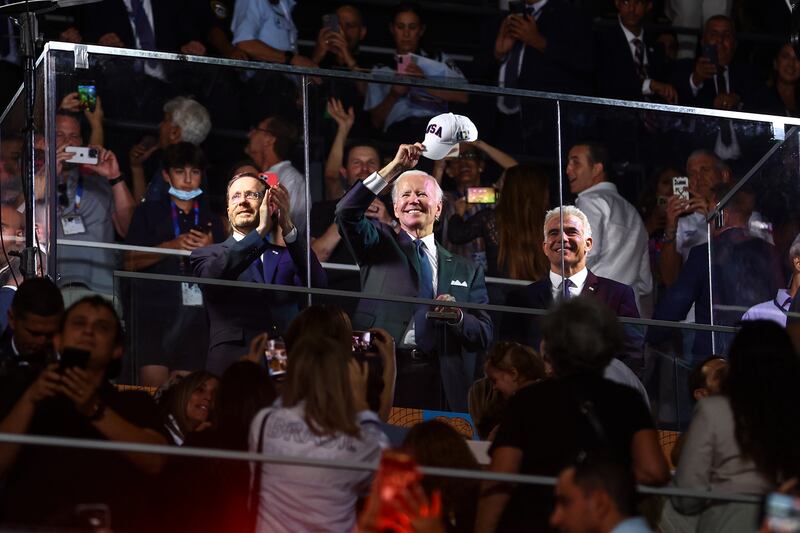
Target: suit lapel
446, 269
590, 287
406, 244
271, 259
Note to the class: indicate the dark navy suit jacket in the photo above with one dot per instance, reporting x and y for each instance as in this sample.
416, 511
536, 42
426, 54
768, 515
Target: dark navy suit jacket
618, 297
238, 315
742, 78
616, 71
746, 271
389, 265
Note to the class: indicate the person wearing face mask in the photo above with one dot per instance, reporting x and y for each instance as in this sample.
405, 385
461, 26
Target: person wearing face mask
182, 221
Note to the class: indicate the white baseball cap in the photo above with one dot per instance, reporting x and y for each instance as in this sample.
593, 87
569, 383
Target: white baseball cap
444, 132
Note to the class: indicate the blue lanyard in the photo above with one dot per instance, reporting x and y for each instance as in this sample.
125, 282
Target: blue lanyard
175, 226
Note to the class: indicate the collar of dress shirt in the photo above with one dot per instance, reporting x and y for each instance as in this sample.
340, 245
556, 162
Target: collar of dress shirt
277, 167
430, 243
782, 297
599, 187
238, 236
629, 35
537, 8
579, 279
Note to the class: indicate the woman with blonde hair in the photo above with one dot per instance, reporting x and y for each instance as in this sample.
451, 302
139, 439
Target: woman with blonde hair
323, 415
511, 231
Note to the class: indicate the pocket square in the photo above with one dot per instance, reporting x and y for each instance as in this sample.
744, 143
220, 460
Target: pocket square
458, 283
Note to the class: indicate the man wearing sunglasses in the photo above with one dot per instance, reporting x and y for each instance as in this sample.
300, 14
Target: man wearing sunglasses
237, 315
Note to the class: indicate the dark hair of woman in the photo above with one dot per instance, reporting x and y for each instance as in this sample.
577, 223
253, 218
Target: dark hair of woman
520, 215
761, 385
244, 389
320, 321
505, 355
435, 443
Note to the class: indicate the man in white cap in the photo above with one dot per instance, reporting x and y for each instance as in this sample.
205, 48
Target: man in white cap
437, 356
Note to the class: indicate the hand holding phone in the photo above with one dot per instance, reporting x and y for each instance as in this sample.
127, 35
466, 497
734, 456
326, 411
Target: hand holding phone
83, 155
270, 178
403, 63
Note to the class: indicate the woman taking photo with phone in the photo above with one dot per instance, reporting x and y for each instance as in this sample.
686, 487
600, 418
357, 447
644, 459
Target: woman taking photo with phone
323, 415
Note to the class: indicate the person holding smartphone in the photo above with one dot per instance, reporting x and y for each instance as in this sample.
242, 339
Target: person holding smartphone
237, 315
713, 79
403, 112
182, 221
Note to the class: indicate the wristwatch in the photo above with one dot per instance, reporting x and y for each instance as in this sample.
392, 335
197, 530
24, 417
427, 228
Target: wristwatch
98, 410
118, 179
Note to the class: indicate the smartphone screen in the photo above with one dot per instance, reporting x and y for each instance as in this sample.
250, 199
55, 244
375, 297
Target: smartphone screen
87, 95
680, 187
783, 513
403, 61
331, 21
481, 195
362, 342
710, 52
73, 357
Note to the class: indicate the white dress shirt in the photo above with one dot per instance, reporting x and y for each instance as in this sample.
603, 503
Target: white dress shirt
578, 281
619, 238
774, 309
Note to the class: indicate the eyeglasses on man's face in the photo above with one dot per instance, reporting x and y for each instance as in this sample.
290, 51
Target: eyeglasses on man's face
253, 196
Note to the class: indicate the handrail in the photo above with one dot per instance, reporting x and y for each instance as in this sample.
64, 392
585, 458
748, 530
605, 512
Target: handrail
208, 453
447, 84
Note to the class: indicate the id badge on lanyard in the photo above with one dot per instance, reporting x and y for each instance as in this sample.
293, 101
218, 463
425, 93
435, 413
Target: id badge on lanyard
72, 224
191, 295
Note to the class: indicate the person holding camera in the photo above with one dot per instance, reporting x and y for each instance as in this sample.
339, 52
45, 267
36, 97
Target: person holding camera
437, 355
182, 221
323, 414
238, 315
93, 204
75, 398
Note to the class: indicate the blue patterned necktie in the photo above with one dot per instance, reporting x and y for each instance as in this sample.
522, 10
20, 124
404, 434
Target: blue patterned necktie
564, 289
422, 332
144, 31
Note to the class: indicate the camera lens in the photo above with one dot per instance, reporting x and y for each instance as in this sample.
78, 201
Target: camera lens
92, 152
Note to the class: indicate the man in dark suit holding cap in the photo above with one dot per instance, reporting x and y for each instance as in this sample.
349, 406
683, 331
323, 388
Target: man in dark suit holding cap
437, 358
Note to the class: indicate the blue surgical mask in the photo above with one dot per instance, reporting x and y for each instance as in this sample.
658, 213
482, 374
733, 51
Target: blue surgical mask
185, 195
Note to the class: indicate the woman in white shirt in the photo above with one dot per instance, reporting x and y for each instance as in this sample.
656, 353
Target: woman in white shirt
323, 415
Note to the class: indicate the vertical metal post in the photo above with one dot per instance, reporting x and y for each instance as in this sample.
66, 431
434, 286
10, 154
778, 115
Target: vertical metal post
307, 161
711, 289
560, 186
28, 31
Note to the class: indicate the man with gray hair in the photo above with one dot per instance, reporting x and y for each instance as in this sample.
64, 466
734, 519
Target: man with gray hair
185, 120
567, 247
777, 308
437, 355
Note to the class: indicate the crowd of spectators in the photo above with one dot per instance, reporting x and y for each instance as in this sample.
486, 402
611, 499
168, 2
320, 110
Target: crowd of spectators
571, 393
551, 412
